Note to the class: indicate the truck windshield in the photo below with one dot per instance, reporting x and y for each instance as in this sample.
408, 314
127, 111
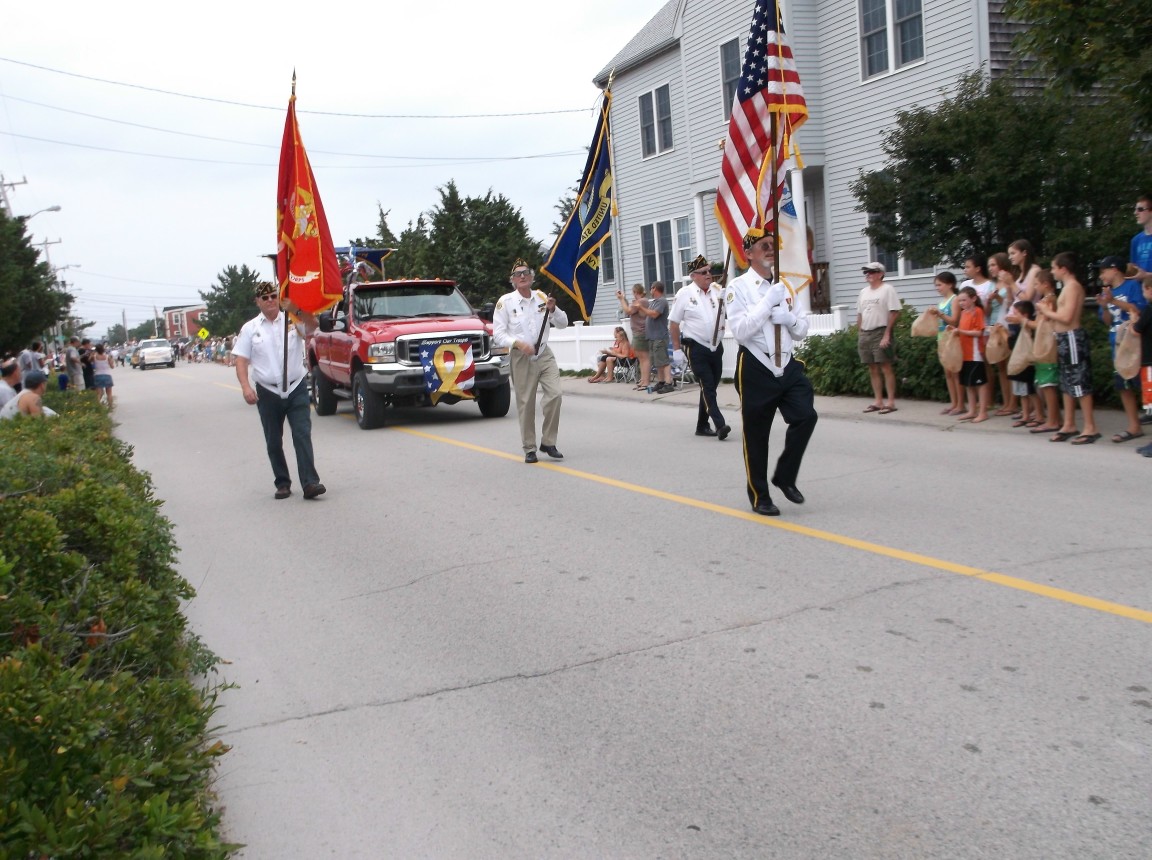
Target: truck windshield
423, 300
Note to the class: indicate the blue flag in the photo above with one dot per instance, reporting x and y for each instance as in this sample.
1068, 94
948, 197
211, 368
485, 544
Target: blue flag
574, 263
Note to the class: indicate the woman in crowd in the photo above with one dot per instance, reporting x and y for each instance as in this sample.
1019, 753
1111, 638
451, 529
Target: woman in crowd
1023, 258
608, 357
974, 372
637, 320
976, 273
102, 374
947, 311
1001, 271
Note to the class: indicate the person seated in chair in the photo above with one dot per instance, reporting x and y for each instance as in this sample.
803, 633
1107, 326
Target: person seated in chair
620, 348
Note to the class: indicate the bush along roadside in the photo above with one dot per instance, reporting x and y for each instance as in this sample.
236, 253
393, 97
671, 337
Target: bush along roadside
106, 748
833, 364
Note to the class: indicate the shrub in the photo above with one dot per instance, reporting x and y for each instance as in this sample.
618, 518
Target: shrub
105, 748
834, 366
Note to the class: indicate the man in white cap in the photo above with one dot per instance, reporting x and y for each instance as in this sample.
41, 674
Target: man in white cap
877, 310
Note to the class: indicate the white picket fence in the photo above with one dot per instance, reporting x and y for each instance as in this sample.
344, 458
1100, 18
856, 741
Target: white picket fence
577, 346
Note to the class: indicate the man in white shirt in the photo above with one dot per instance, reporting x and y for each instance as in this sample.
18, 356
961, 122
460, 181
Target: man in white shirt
9, 379
521, 323
696, 325
768, 379
877, 309
260, 349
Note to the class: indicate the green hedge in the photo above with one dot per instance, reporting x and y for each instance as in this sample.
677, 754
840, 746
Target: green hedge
834, 366
105, 743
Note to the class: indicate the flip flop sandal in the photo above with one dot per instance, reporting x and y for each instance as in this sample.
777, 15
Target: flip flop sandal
1045, 430
1126, 436
887, 409
1063, 437
1023, 423
1031, 423
873, 408
1085, 438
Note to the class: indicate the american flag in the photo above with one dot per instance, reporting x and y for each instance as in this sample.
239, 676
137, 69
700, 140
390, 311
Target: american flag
448, 368
753, 171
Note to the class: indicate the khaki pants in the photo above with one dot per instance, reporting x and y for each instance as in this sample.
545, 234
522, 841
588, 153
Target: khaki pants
528, 374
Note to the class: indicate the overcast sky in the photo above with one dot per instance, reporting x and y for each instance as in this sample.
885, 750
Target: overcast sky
160, 191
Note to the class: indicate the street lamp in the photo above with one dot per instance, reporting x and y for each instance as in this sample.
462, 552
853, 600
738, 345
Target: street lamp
38, 211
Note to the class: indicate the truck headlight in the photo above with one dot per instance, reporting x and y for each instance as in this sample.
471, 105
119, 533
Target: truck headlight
382, 352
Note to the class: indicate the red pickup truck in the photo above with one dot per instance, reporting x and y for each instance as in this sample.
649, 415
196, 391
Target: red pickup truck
406, 343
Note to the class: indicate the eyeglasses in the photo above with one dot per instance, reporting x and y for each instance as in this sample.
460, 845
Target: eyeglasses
705, 273
267, 298
1141, 208
522, 273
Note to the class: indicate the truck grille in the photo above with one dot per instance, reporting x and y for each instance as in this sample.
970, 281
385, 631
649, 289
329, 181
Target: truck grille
408, 348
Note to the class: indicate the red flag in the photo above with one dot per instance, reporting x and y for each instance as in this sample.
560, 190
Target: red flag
753, 169
306, 263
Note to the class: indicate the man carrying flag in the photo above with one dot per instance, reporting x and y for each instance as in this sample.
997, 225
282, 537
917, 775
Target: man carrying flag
574, 262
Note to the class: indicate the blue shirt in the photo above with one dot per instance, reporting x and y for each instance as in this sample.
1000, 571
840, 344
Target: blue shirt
1129, 291
1140, 251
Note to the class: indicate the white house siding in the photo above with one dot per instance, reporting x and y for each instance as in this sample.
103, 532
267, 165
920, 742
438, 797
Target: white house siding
843, 136
648, 189
858, 112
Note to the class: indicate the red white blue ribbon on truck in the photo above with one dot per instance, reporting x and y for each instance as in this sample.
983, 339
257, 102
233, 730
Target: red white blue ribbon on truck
448, 368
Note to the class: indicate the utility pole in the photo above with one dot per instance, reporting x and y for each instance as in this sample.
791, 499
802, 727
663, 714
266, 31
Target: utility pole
4, 186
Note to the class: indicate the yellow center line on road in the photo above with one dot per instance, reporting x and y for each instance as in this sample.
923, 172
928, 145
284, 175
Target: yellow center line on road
1048, 591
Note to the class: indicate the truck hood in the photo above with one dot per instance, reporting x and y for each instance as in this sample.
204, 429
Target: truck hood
385, 330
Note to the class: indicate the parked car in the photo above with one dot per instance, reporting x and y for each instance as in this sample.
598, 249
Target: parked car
154, 353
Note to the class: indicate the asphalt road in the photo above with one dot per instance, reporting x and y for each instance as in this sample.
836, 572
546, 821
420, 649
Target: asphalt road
945, 653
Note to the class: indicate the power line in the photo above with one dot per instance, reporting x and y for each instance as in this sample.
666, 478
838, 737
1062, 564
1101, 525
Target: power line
458, 163
276, 146
280, 107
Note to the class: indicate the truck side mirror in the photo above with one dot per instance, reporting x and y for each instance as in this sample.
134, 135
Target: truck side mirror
486, 311
326, 323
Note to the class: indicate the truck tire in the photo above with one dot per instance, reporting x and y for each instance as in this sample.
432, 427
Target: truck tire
369, 404
494, 402
323, 394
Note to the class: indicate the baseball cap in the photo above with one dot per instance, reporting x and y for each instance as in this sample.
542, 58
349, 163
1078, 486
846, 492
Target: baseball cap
874, 266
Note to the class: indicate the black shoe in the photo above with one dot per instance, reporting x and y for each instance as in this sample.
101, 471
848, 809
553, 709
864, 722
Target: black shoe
766, 509
1146, 419
706, 431
723, 432
313, 490
790, 492
551, 451
283, 492
530, 457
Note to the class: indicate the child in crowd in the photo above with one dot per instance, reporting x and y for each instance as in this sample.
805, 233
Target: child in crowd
1000, 268
974, 371
948, 313
1023, 384
1045, 377
620, 349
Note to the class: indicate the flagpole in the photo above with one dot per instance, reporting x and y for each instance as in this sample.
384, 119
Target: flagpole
287, 283
773, 154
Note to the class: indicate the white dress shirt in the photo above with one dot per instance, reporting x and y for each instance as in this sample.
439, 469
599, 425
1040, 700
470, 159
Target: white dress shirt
695, 310
261, 341
750, 305
519, 318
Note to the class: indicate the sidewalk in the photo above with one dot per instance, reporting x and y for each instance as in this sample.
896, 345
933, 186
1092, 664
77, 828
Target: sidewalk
921, 412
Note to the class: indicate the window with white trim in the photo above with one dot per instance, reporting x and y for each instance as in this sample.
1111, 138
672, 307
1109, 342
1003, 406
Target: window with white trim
660, 253
656, 121
896, 263
903, 40
730, 73
607, 262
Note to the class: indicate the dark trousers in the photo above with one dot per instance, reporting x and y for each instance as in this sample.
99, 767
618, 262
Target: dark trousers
296, 408
708, 367
761, 395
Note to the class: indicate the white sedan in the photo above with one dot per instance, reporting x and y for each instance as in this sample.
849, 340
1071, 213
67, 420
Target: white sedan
153, 353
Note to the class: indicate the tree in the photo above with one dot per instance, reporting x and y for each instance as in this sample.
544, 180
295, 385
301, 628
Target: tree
230, 303
148, 329
116, 334
411, 259
31, 302
989, 166
564, 207
384, 237
475, 240
1089, 44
